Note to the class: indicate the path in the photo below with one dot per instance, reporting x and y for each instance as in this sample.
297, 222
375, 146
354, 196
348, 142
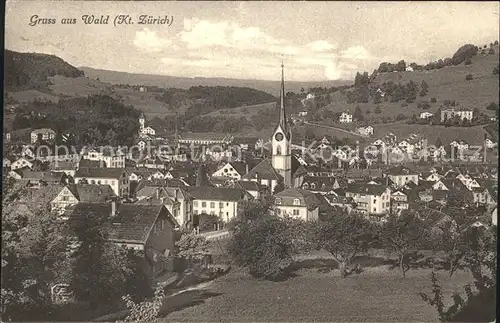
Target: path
334, 128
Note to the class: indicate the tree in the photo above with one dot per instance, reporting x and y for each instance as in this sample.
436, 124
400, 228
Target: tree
264, 243
481, 261
424, 86
377, 110
100, 267
495, 70
358, 114
492, 106
467, 61
191, 246
146, 311
404, 236
468, 77
344, 237
433, 100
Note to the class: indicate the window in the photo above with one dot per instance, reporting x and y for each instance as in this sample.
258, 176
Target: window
161, 224
227, 204
65, 198
374, 209
212, 205
296, 202
212, 212
278, 211
296, 212
99, 182
221, 204
203, 204
92, 182
195, 211
195, 203
374, 200
277, 201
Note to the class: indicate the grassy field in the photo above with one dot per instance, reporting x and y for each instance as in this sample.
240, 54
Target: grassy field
245, 111
376, 295
444, 84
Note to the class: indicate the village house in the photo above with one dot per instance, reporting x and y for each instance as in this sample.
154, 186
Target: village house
73, 194
401, 175
117, 178
370, 199
490, 144
345, 117
44, 134
37, 179
425, 115
205, 139
220, 201
246, 143
322, 184
257, 191
265, 174
108, 157
175, 199
66, 167
399, 201
297, 203
150, 229
152, 162
463, 114
232, 170
365, 131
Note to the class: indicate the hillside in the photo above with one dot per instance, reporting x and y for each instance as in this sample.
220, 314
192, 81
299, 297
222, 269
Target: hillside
442, 84
25, 71
164, 81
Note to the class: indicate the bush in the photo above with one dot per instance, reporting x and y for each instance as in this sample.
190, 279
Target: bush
377, 110
400, 117
491, 51
423, 105
464, 53
468, 61
495, 70
433, 100
469, 77
492, 106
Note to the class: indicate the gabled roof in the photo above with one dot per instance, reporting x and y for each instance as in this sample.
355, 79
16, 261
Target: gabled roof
306, 198
99, 172
240, 167
321, 183
86, 163
370, 189
216, 193
247, 185
400, 170
161, 183
91, 193
30, 175
264, 170
132, 222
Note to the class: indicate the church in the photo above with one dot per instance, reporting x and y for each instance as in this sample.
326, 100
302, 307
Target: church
283, 167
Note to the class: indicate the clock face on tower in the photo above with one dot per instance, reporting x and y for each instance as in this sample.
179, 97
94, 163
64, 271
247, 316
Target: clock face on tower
278, 136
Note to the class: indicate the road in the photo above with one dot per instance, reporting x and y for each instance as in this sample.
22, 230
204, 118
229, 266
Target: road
334, 128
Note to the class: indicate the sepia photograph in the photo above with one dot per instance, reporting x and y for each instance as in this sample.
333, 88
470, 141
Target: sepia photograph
250, 161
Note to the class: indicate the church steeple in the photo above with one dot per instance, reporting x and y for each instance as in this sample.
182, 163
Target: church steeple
283, 123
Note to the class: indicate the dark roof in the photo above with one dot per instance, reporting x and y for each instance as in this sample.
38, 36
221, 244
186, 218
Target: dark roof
160, 183
400, 170
306, 197
91, 193
247, 185
245, 140
29, 175
264, 170
99, 172
86, 163
240, 167
132, 222
372, 189
216, 193
321, 183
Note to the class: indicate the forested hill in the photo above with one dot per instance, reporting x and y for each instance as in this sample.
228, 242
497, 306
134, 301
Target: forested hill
207, 98
25, 71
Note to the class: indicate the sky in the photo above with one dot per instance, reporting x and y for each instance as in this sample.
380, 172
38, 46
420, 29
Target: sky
317, 41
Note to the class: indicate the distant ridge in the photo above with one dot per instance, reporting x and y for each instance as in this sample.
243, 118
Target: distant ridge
165, 81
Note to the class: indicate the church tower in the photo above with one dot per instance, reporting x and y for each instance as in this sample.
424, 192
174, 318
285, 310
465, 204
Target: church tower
281, 141
142, 122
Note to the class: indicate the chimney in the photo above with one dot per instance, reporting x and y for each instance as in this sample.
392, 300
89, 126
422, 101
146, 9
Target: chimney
113, 208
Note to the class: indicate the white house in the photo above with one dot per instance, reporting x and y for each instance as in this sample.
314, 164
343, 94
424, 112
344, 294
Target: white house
231, 170
220, 201
490, 144
425, 115
370, 198
345, 117
366, 131
117, 178
463, 114
42, 134
20, 163
297, 203
148, 131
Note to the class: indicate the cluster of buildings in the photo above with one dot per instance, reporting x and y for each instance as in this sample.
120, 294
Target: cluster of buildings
145, 200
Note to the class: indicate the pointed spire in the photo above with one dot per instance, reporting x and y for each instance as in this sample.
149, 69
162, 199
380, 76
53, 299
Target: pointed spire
283, 121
